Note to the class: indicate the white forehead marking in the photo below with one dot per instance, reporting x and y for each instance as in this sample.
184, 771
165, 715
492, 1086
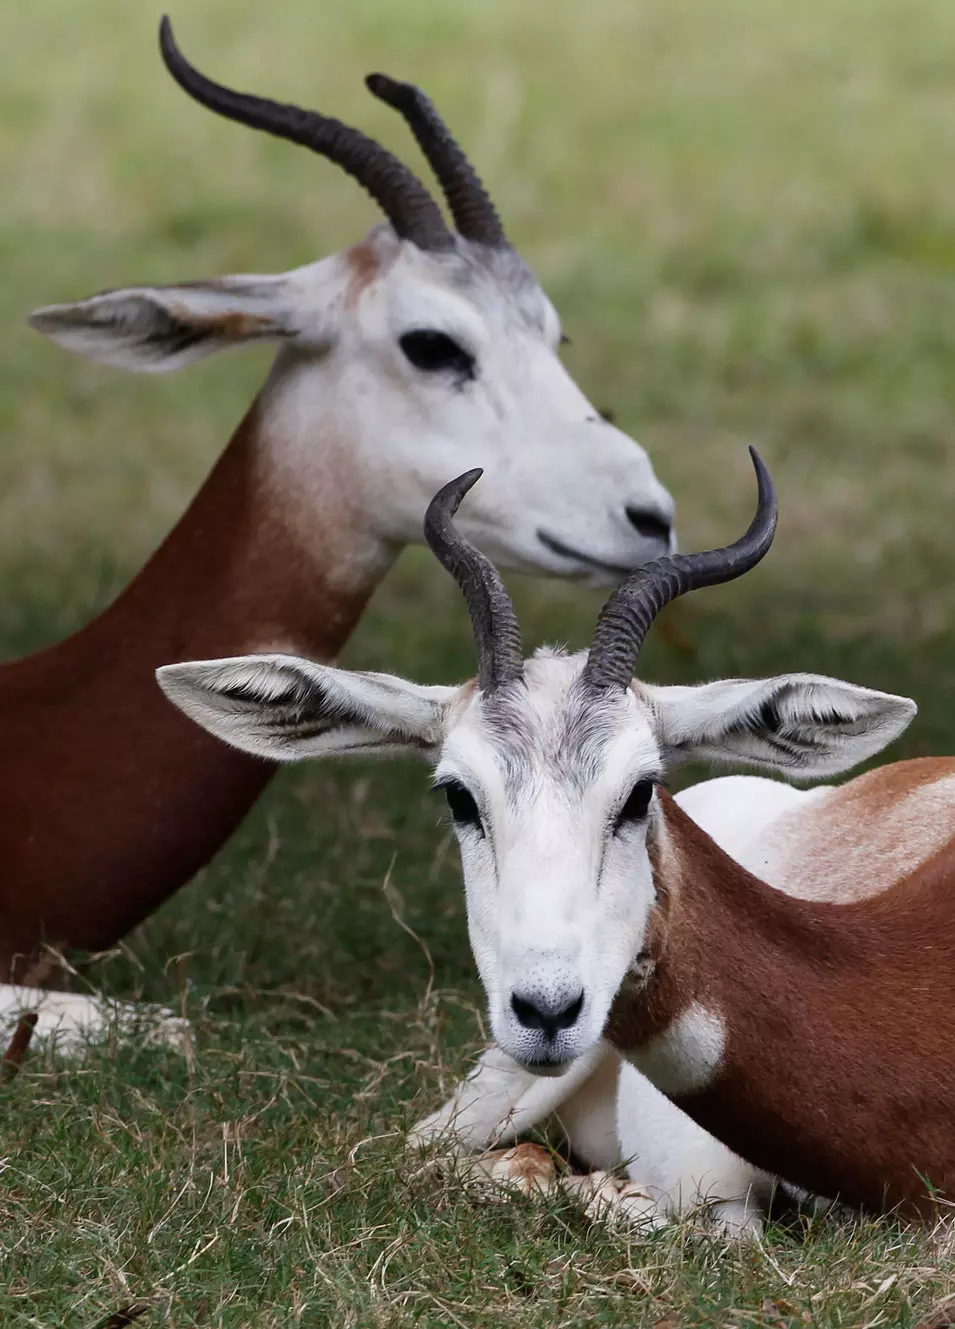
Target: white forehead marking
686, 1056
545, 733
426, 301
471, 285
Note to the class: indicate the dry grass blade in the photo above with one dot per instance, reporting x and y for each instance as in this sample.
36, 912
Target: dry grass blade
124, 1316
14, 1056
42, 969
942, 1317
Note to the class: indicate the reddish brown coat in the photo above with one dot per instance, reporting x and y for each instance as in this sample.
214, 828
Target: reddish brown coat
110, 799
838, 1072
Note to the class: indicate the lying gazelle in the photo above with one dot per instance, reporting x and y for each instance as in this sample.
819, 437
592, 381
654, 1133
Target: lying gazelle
799, 1033
395, 357
895, 817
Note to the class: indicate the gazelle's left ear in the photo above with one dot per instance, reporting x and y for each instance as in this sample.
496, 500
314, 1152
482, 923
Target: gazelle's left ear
803, 725
285, 708
152, 329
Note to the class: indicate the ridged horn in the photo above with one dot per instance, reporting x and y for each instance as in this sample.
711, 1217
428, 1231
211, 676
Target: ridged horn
395, 188
627, 616
475, 216
497, 634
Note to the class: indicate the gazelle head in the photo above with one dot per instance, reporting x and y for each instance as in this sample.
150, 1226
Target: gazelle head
404, 355
551, 767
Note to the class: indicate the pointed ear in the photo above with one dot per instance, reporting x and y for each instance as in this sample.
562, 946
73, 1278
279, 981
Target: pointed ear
156, 328
803, 725
285, 708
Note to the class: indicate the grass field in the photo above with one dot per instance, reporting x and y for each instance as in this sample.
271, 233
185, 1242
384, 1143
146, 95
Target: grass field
746, 215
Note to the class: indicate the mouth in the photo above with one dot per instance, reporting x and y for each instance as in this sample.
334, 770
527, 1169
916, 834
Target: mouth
547, 1068
575, 556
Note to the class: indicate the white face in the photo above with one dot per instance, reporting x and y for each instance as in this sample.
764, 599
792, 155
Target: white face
399, 370
551, 786
453, 362
552, 796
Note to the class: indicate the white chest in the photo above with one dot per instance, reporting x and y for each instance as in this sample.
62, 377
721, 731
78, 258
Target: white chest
686, 1056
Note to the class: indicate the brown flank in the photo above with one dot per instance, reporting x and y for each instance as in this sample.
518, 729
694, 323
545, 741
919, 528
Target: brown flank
838, 1072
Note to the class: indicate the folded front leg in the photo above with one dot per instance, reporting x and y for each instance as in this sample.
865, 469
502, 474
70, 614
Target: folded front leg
500, 1100
682, 1168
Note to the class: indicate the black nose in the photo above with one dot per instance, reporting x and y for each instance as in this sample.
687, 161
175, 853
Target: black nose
649, 524
550, 1017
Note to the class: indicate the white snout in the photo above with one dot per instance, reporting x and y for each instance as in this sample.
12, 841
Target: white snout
609, 516
544, 1014
577, 501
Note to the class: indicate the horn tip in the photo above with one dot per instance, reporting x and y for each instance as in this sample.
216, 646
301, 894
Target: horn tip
460, 485
757, 459
448, 498
391, 90
467, 480
764, 480
168, 47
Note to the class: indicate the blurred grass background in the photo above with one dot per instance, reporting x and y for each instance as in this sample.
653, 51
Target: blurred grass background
745, 213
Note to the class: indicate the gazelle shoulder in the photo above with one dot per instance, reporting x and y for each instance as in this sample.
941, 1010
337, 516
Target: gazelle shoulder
845, 842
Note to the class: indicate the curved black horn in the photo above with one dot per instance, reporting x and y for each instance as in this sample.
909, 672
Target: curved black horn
474, 214
626, 617
397, 190
497, 633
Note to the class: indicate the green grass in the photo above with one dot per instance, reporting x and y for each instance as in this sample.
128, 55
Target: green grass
746, 214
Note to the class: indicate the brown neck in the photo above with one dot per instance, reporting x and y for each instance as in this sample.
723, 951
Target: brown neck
236, 575
837, 1072
110, 798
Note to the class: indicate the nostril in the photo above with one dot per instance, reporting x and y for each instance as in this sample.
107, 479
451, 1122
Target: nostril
649, 524
571, 1013
550, 1017
526, 1012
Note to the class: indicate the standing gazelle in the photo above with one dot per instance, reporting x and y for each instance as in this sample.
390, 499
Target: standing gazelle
414, 348
812, 1038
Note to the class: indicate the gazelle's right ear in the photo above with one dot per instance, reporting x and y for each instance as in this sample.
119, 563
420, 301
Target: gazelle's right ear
156, 328
285, 708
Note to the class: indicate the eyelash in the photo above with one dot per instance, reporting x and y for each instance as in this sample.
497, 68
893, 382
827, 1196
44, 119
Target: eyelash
635, 807
462, 805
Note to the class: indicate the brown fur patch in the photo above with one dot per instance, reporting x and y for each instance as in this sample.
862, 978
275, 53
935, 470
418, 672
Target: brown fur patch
234, 326
887, 785
839, 1066
364, 263
864, 836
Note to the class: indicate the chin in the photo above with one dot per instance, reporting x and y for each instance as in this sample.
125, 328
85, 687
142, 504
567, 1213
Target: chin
544, 1062
547, 1064
592, 576
592, 580
547, 1070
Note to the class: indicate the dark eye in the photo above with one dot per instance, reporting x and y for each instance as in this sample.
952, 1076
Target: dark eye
636, 806
464, 810
435, 351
